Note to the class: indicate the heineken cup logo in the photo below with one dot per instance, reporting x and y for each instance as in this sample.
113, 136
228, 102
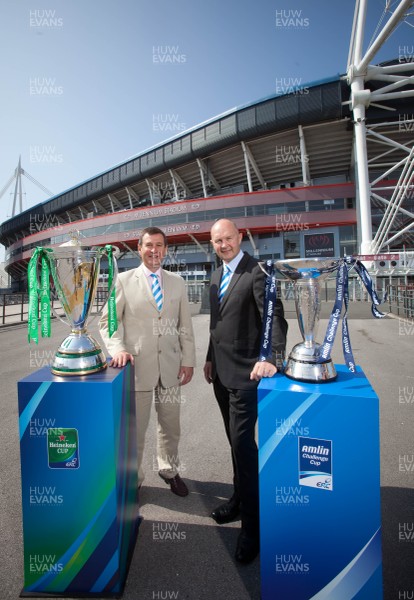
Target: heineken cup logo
63, 448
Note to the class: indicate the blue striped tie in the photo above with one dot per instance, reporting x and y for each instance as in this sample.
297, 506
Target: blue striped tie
156, 291
224, 284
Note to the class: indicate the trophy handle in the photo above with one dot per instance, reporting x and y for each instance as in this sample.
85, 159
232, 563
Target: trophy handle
59, 295
103, 250
261, 265
58, 316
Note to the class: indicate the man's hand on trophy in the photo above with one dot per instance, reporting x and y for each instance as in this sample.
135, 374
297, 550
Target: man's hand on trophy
262, 369
120, 359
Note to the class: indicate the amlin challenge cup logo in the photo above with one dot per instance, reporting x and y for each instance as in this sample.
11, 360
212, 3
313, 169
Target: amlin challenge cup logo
315, 463
63, 448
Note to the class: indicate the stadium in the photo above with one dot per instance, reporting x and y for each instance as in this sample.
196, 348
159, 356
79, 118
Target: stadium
282, 167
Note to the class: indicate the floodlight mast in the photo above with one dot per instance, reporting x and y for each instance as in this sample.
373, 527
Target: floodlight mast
18, 193
358, 72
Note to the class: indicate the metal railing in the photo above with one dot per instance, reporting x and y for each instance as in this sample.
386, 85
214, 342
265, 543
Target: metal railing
356, 289
195, 291
401, 300
14, 308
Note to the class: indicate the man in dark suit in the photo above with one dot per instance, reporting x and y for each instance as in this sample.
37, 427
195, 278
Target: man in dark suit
232, 365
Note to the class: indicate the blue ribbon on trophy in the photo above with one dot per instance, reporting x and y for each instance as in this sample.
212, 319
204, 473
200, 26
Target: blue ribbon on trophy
367, 281
342, 298
270, 295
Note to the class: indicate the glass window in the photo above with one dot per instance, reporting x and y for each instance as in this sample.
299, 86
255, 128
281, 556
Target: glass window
266, 236
158, 221
237, 211
291, 244
274, 256
193, 217
127, 225
143, 223
338, 203
276, 209
172, 219
259, 210
295, 207
348, 240
213, 215
316, 205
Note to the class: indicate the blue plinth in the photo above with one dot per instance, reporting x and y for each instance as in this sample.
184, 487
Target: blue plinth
79, 482
320, 521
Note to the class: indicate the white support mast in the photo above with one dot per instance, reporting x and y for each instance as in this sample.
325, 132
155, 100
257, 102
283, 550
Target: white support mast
18, 190
358, 73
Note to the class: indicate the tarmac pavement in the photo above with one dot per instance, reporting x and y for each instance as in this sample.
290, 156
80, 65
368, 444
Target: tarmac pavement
198, 563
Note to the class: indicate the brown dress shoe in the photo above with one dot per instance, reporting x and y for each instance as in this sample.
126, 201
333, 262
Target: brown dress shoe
177, 485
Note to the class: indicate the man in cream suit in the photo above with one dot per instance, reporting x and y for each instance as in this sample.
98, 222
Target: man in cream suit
157, 337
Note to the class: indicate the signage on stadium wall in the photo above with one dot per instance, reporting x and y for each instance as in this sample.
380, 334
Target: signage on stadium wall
163, 210
319, 245
369, 257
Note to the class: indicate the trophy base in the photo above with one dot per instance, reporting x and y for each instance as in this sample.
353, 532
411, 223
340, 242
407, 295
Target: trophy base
78, 354
310, 372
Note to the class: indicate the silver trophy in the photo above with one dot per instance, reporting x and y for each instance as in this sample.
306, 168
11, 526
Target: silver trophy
75, 273
304, 362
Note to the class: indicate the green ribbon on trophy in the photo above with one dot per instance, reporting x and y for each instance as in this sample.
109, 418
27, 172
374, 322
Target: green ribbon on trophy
112, 318
35, 292
45, 326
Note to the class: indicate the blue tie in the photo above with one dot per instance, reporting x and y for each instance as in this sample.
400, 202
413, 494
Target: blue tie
224, 284
156, 291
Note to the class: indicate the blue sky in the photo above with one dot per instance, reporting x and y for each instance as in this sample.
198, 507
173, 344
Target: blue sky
87, 85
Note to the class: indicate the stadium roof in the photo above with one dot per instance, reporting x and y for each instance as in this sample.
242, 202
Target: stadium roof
210, 159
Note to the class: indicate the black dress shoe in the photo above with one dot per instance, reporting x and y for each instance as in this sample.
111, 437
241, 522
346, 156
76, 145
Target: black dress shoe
177, 485
225, 512
247, 548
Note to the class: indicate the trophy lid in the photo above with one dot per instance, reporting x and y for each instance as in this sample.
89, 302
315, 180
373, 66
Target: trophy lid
74, 239
73, 247
307, 268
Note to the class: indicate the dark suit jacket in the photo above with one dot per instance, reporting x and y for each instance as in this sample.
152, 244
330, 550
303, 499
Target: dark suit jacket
236, 325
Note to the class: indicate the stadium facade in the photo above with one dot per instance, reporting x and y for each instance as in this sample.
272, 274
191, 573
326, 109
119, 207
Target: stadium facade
282, 168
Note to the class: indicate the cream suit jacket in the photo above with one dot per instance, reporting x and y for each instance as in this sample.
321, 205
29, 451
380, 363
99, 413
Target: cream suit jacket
160, 341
